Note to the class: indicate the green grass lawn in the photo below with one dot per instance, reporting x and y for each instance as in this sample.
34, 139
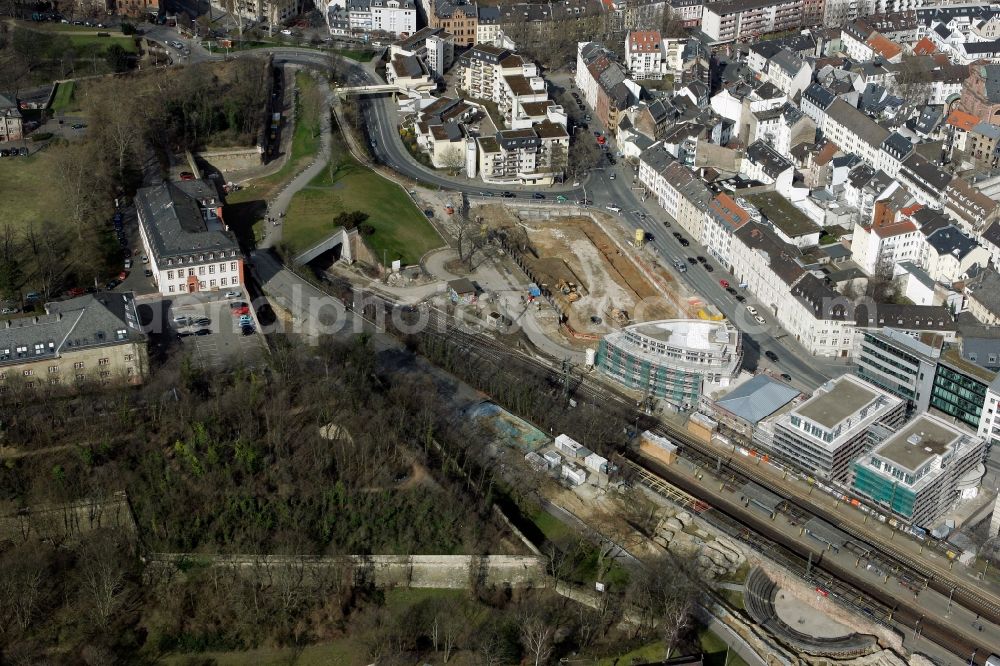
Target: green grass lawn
401, 230
29, 193
88, 42
247, 207
63, 99
713, 647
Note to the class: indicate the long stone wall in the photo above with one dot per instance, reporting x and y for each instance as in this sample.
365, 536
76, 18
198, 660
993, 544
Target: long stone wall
432, 571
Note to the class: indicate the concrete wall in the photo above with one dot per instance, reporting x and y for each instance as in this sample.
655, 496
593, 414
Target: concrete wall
61, 522
231, 159
432, 571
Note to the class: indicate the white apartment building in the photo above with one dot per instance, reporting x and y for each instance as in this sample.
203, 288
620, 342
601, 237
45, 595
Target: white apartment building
433, 45
747, 20
878, 247
854, 132
497, 75
723, 218
397, 18
677, 189
826, 433
643, 54
183, 233
534, 156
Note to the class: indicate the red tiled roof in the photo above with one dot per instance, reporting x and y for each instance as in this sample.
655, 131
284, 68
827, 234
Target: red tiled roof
644, 41
924, 47
884, 46
962, 120
826, 153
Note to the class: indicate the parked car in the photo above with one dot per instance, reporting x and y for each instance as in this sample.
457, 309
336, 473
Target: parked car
78, 126
128, 263
240, 309
787, 377
144, 259
537, 195
771, 356
692, 261
76, 291
708, 267
148, 273
247, 329
186, 175
724, 284
760, 320
508, 195
8, 311
122, 276
112, 284
203, 331
201, 321
245, 319
232, 294
684, 242
751, 309
614, 208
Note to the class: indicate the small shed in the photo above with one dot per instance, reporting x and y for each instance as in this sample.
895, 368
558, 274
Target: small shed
574, 474
552, 459
536, 461
596, 463
657, 447
568, 445
462, 291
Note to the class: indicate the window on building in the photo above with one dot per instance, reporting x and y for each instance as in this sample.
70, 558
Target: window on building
129, 357
170, 275
80, 378
201, 270
190, 272
234, 281
104, 361
28, 373
201, 284
211, 269
223, 281
232, 266
53, 381
53, 369
170, 289
129, 370
78, 365
222, 267
105, 373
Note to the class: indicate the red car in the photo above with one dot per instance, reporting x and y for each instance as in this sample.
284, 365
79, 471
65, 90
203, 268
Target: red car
123, 275
601, 140
724, 284
76, 291
187, 175
240, 310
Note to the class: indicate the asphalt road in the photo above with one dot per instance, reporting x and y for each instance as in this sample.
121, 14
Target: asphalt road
807, 371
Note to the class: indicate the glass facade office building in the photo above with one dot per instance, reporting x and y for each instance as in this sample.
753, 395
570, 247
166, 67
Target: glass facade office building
959, 390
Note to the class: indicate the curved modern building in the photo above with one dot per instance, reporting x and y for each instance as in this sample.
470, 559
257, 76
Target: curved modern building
677, 360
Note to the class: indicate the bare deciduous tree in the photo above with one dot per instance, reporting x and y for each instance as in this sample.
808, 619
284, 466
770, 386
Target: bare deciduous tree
536, 637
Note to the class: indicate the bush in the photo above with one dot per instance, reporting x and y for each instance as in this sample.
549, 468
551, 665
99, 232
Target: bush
128, 29
41, 136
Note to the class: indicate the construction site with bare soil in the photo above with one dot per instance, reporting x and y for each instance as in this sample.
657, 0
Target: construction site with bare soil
599, 283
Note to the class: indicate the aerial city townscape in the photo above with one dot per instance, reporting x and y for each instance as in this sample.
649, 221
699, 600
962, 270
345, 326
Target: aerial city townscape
612, 332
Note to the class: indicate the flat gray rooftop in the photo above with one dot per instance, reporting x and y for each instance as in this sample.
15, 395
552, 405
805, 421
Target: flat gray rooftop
827, 533
829, 409
935, 438
764, 497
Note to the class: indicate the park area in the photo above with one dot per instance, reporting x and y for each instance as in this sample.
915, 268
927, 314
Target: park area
29, 192
54, 51
396, 228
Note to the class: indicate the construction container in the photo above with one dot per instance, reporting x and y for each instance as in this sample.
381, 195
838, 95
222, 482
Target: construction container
596, 463
568, 445
659, 448
574, 474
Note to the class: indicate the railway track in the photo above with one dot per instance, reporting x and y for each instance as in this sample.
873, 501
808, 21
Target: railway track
837, 580
831, 578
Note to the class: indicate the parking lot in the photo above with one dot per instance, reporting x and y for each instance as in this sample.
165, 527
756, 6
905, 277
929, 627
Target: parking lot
224, 341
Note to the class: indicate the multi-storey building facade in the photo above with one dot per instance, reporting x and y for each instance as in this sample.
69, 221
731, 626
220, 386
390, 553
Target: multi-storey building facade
747, 20
604, 85
95, 339
826, 433
960, 388
534, 156
677, 189
678, 360
185, 237
497, 75
644, 55
11, 124
919, 472
900, 364
457, 17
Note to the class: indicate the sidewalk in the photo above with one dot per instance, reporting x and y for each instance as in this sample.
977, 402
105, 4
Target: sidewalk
278, 206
